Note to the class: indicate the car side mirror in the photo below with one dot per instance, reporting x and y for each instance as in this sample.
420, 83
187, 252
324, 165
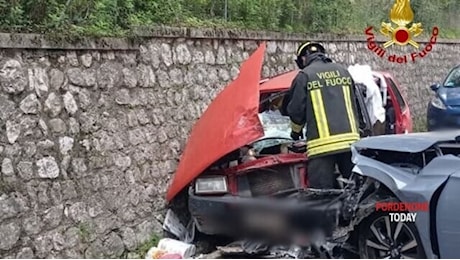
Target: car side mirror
435, 87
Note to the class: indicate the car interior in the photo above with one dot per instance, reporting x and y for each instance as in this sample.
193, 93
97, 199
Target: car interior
390, 114
272, 102
269, 101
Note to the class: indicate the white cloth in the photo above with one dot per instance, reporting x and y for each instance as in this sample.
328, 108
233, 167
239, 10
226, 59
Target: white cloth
363, 74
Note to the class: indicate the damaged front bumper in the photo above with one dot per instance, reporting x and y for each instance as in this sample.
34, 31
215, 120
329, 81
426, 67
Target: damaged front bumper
267, 218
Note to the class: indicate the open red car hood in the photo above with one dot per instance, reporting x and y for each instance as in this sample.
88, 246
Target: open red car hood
230, 122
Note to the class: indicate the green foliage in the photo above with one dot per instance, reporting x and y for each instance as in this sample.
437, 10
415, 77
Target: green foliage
118, 17
84, 232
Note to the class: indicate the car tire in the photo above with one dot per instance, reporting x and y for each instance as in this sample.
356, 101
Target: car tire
404, 239
204, 243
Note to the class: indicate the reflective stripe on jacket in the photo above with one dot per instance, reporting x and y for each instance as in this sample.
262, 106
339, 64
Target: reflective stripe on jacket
322, 97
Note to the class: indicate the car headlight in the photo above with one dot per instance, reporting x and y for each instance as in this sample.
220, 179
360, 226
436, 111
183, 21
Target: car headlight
437, 102
211, 185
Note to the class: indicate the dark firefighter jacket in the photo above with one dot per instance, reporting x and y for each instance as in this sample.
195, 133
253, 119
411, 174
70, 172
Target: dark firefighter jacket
322, 97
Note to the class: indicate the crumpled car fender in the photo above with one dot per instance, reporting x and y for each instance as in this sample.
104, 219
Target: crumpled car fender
405, 185
393, 178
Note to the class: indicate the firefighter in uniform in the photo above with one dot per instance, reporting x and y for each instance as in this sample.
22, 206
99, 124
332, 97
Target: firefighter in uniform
322, 98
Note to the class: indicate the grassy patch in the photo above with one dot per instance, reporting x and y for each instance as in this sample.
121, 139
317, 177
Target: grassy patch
419, 124
84, 231
5, 187
142, 250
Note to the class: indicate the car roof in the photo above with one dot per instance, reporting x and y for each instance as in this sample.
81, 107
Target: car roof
384, 73
278, 83
410, 143
283, 81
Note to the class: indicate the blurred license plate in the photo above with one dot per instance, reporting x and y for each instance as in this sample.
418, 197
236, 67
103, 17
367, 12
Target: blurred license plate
265, 220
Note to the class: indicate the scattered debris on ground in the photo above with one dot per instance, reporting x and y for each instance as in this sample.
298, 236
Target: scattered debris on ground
169, 248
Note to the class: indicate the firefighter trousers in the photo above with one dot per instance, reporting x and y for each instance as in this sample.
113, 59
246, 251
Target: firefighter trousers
321, 170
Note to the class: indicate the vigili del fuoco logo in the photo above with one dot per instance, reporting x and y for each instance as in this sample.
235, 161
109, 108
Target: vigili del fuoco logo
402, 16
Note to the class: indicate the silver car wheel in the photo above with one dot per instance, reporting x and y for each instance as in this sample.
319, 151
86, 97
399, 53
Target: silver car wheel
389, 240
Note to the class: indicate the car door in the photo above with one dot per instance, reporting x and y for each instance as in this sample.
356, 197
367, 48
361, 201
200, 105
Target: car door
402, 111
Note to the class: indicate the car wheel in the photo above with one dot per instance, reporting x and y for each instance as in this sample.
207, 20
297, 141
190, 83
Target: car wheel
381, 238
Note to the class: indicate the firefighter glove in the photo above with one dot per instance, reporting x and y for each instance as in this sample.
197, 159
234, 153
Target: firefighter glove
296, 136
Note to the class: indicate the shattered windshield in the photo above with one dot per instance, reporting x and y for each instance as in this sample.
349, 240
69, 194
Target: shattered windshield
277, 129
275, 124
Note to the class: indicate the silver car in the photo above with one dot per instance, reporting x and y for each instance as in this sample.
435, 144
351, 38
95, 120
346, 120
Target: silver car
412, 168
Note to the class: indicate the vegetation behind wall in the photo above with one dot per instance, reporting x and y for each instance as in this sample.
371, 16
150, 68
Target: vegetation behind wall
118, 17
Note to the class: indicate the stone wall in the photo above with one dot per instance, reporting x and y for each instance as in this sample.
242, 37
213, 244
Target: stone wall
90, 132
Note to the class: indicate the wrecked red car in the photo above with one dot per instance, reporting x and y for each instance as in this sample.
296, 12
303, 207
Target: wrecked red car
240, 158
